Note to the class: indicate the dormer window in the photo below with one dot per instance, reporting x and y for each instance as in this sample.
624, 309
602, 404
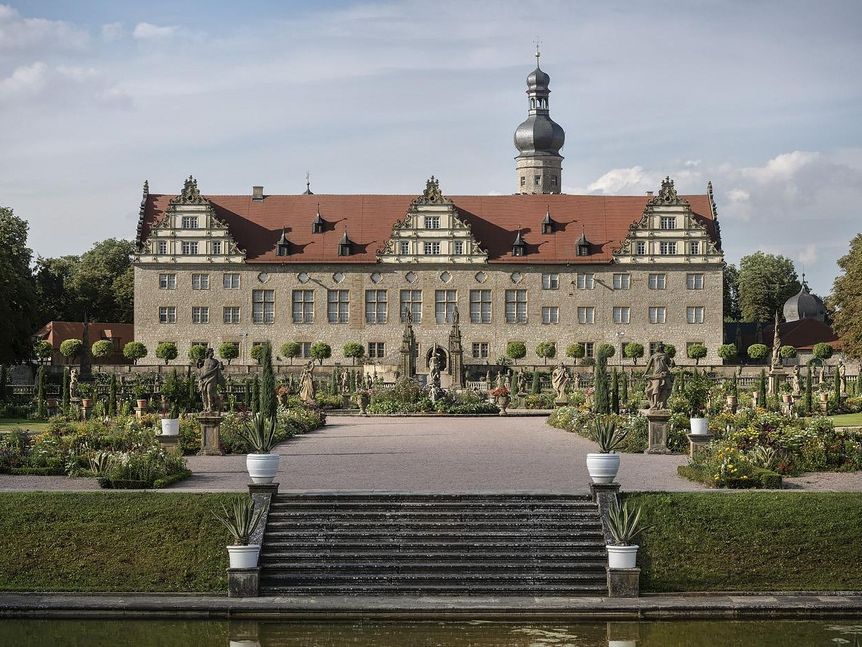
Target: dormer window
318, 224
547, 223
583, 246
345, 246
282, 249
519, 247
189, 222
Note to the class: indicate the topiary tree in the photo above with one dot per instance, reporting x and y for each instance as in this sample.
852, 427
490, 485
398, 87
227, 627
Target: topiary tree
167, 350
197, 352
787, 352
576, 351
321, 351
134, 351
516, 350
256, 352
633, 351
546, 350
71, 348
727, 352
696, 352
268, 401
757, 351
822, 351
228, 351
42, 350
353, 351
102, 349
607, 350
290, 350
670, 350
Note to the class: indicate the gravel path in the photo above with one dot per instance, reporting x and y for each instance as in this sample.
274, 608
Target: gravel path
429, 454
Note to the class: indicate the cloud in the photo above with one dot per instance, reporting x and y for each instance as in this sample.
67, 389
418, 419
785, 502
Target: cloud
25, 80
624, 180
113, 31
149, 31
781, 167
808, 255
68, 84
19, 34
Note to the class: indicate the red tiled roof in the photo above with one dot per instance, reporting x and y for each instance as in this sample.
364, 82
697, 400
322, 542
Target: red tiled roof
257, 225
56, 332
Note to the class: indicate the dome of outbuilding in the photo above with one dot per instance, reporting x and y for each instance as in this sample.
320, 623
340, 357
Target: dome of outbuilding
538, 80
804, 305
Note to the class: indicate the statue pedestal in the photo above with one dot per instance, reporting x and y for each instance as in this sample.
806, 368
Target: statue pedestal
561, 402
140, 411
657, 419
169, 443
775, 380
697, 443
210, 423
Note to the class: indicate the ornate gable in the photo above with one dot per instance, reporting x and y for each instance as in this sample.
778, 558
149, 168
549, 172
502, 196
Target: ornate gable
432, 231
668, 233
190, 232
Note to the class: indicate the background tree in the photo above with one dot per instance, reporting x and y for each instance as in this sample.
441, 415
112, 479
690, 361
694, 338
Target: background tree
757, 351
228, 351
696, 352
546, 350
822, 351
18, 312
321, 351
166, 350
787, 352
102, 349
516, 350
576, 351
3, 380
766, 281
846, 300
103, 281
633, 351
731, 293
55, 298
197, 352
727, 352
353, 350
134, 350
290, 350
42, 349
267, 384
71, 348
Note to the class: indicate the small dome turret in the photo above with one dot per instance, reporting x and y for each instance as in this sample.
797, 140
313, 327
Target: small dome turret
804, 305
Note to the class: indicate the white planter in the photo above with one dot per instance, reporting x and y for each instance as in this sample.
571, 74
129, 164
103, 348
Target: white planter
243, 556
622, 643
170, 426
622, 556
603, 468
699, 427
262, 468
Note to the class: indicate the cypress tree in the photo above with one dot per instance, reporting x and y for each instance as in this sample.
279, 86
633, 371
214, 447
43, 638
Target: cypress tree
837, 387
536, 386
41, 409
247, 393
112, 397
64, 395
809, 392
615, 392
625, 394
255, 395
267, 384
734, 389
3, 382
600, 384
761, 389
192, 394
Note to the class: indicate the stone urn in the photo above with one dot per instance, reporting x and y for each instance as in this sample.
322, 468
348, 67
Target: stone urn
731, 403
503, 402
142, 404
363, 399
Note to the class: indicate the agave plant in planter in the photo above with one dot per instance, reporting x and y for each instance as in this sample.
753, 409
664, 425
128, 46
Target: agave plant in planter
261, 463
604, 465
241, 520
171, 421
624, 524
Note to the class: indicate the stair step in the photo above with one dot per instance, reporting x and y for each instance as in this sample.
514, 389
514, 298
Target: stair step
411, 526
598, 552
495, 590
518, 544
456, 570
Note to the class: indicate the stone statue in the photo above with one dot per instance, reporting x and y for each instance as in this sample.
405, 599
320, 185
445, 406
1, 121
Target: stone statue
500, 382
343, 380
776, 344
209, 379
306, 384
796, 381
842, 376
821, 376
434, 376
408, 316
73, 383
522, 382
659, 378
456, 318
560, 381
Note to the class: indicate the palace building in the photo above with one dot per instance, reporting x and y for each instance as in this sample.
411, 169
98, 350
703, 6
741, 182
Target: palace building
536, 266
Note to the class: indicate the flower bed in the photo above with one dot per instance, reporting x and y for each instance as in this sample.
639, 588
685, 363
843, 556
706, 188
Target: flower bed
580, 422
408, 397
290, 422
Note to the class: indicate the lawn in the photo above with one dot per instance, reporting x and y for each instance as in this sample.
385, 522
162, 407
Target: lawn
847, 420
751, 541
9, 424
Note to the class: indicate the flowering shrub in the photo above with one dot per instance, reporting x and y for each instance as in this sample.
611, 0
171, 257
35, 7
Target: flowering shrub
580, 422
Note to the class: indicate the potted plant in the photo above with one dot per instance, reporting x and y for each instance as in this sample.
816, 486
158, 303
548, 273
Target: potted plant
261, 463
241, 520
624, 525
85, 390
139, 397
363, 398
604, 465
733, 395
171, 421
501, 395
171, 394
696, 392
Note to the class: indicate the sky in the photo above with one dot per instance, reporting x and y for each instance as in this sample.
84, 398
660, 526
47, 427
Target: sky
763, 98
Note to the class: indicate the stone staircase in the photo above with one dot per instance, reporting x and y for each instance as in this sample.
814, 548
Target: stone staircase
433, 544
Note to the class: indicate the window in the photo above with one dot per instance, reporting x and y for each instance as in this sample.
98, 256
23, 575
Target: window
432, 249
200, 314
694, 314
667, 248
305, 349
168, 314
167, 281
376, 349
230, 314
161, 247
405, 247
537, 179
622, 314
458, 247
432, 222
523, 181
200, 281
589, 348
216, 247
550, 314
444, 305
263, 306
622, 281
189, 248
586, 314
640, 247
230, 281
302, 306
553, 180
410, 300
657, 314
375, 306
190, 222
338, 306
480, 350
694, 281
550, 281
586, 281
516, 306
657, 281
694, 247
480, 306
667, 222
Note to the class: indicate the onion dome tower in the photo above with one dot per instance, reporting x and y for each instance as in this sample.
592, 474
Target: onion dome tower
539, 140
804, 305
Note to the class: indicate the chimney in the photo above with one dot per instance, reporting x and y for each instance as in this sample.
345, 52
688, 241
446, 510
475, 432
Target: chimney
649, 194
257, 193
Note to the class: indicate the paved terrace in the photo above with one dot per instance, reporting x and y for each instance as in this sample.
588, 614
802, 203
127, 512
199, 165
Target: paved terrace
435, 454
